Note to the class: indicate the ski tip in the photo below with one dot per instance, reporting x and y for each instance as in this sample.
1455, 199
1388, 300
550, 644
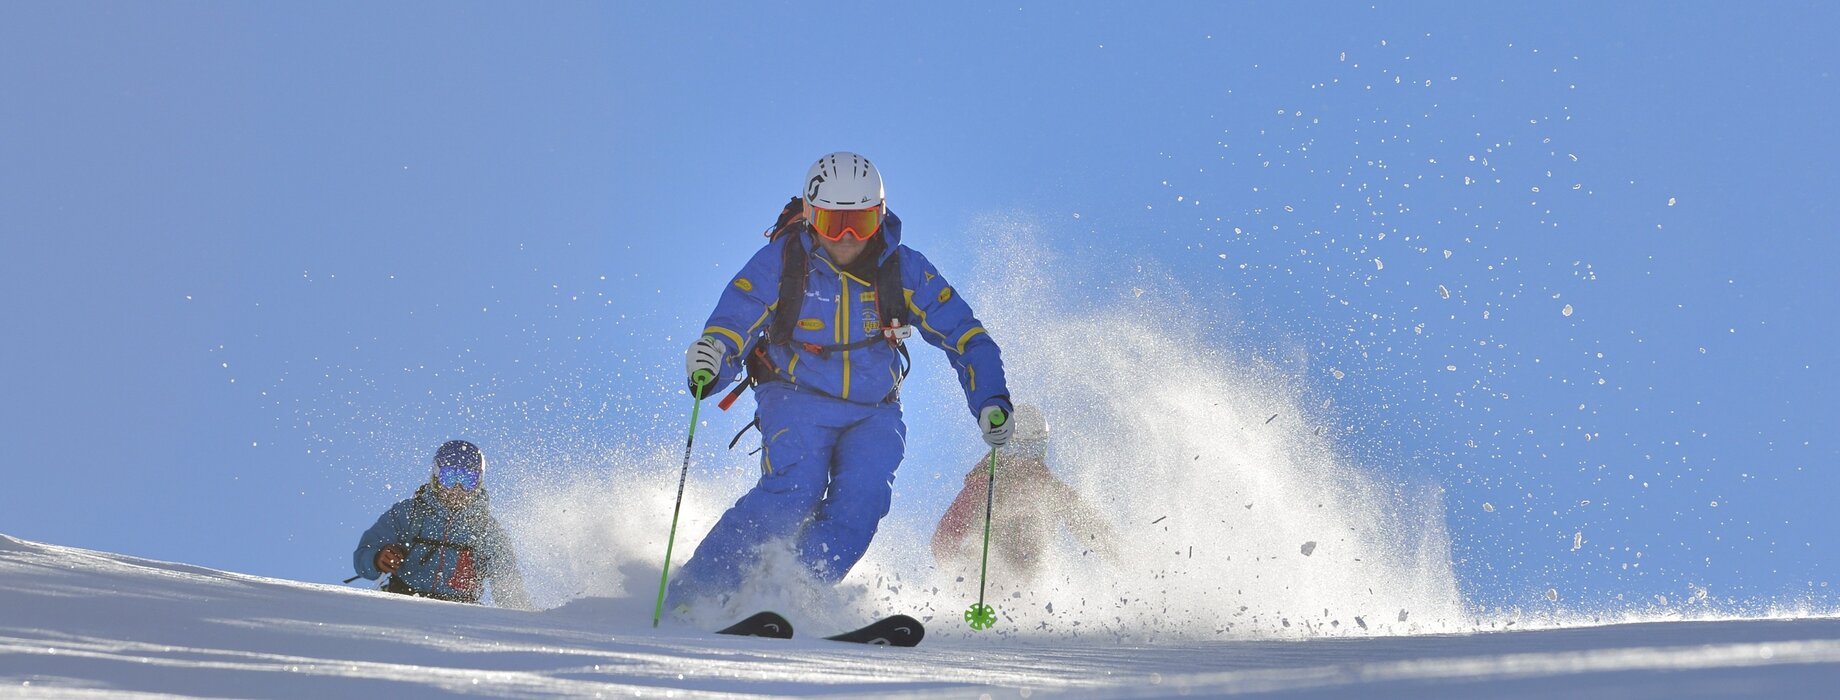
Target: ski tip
894, 631
761, 624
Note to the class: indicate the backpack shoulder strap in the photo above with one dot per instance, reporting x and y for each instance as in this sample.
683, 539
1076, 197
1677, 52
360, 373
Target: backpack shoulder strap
890, 295
793, 261
418, 512
891, 301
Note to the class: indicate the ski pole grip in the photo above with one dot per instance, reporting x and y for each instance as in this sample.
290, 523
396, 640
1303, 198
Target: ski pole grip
998, 419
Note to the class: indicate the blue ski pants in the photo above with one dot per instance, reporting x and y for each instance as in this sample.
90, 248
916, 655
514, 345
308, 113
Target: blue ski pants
826, 477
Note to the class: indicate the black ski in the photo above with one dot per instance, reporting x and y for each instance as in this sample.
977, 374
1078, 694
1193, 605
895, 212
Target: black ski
894, 631
762, 624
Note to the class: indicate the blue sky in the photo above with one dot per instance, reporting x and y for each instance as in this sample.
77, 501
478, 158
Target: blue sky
263, 258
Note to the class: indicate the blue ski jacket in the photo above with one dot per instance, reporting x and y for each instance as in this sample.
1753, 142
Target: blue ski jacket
452, 553
841, 308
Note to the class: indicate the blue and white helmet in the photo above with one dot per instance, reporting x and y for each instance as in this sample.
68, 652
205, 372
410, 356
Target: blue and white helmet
460, 454
843, 181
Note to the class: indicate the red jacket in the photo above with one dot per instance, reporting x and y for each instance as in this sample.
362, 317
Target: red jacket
1030, 506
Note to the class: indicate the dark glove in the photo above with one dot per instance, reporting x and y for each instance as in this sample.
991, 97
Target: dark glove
390, 558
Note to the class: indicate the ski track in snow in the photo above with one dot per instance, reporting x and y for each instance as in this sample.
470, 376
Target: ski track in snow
78, 623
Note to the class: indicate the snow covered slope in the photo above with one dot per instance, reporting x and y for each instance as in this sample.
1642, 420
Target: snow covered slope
76, 623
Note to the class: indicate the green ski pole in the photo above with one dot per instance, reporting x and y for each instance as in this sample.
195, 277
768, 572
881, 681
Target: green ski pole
981, 616
701, 379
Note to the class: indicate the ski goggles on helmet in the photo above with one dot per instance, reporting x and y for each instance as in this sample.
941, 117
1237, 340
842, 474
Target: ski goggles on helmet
834, 224
461, 478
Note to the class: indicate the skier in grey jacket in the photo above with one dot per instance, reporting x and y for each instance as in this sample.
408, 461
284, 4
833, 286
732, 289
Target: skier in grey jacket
443, 543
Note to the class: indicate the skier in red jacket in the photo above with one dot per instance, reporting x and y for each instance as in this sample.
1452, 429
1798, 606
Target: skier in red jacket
1030, 507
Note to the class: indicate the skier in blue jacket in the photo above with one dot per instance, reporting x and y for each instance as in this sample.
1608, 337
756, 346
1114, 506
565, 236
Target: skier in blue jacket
443, 542
827, 375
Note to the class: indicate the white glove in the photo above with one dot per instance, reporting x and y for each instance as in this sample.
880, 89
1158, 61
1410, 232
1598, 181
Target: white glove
704, 355
996, 426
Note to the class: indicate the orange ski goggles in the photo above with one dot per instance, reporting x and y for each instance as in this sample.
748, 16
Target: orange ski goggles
834, 224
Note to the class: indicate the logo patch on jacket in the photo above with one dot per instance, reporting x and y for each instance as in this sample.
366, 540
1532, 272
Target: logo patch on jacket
945, 294
866, 296
744, 284
811, 324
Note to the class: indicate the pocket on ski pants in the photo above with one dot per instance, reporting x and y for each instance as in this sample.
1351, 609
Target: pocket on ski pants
794, 463
783, 446
791, 482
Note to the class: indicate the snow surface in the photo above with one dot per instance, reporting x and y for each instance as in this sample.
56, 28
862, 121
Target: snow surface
77, 623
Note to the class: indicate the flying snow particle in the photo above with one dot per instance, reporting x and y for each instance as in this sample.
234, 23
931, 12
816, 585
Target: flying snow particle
1308, 548
1567, 311
1488, 507
1671, 201
1379, 265
1443, 292
1577, 541
1552, 594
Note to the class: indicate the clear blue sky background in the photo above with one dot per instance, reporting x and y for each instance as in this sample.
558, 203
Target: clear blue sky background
261, 258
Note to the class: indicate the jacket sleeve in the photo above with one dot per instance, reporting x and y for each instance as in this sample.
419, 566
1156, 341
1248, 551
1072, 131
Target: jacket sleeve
958, 518
947, 323
1088, 526
746, 304
391, 528
502, 570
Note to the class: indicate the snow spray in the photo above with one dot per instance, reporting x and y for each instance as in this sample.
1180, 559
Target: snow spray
1241, 517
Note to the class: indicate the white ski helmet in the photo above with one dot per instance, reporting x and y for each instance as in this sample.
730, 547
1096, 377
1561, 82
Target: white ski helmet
843, 180
1030, 425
